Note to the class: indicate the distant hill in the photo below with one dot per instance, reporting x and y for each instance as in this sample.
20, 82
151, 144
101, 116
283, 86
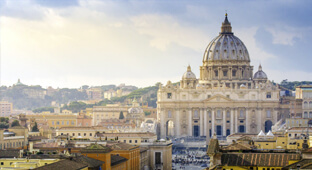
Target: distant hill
291, 85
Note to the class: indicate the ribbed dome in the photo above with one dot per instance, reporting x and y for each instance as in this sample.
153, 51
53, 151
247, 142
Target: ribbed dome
260, 74
189, 74
226, 46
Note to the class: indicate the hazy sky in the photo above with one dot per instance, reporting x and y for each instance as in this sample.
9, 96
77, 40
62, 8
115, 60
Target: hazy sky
73, 43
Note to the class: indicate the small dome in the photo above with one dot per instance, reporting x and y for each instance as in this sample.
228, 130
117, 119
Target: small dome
189, 74
260, 74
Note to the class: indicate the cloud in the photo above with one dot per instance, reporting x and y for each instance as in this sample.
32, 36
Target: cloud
284, 35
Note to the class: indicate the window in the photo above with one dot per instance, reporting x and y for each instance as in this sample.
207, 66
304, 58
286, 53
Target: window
130, 141
241, 128
62, 122
228, 114
85, 134
136, 141
227, 121
234, 73
61, 133
208, 96
196, 114
310, 114
2, 163
169, 114
57, 122
268, 113
241, 121
216, 73
78, 134
157, 158
73, 134
67, 122
52, 122
305, 115
87, 124
73, 122
241, 114
125, 141
224, 73
219, 114
268, 96
169, 95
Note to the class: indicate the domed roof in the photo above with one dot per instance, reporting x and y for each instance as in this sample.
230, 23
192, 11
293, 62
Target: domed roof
226, 46
189, 74
260, 74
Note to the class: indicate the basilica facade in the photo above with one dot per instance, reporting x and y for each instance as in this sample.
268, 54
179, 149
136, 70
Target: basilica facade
226, 98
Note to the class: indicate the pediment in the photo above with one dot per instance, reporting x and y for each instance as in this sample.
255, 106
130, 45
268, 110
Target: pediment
218, 98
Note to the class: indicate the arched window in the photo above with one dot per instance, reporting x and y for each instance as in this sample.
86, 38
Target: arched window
209, 113
310, 114
305, 105
169, 114
310, 104
305, 115
268, 95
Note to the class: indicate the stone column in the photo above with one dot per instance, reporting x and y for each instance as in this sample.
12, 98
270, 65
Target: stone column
212, 121
177, 124
224, 123
201, 122
259, 120
232, 121
235, 120
275, 116
162, 125
247, 122
190, 123
205, 122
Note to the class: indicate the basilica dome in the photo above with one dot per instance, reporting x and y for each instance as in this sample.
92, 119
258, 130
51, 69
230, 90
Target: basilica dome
189, 74
260, 74
226, 46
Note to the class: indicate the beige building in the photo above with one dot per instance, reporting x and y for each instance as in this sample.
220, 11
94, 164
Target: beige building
6, 108
15, 137
304, 92
226, 98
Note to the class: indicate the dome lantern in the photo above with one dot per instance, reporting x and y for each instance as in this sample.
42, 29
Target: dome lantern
226, 27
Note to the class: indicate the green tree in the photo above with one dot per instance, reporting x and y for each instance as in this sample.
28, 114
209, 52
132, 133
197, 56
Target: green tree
15, 123
121, 116
35, 128
4, 125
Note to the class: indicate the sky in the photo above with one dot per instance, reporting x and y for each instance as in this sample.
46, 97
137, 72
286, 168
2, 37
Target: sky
92, 42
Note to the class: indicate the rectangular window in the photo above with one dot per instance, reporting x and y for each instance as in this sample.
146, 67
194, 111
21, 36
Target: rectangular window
2, 163
241, 114
90, 134
234, 73
84, 134
130, 141
73, 122
224, 73
169, 95
268, 95
52, 122
269, 114
157, 158
62, 122
136, 141
219, 114
57, 122
67, 122
125, 141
